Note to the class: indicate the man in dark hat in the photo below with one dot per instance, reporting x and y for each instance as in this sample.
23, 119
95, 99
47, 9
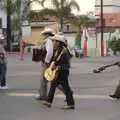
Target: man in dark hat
63, 73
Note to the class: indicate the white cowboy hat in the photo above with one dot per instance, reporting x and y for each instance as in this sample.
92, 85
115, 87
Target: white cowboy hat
47, 30
58, 38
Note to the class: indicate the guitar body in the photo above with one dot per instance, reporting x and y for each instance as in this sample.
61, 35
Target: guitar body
51, 73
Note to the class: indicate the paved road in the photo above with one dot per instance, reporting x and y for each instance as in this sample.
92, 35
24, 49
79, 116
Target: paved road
91, 92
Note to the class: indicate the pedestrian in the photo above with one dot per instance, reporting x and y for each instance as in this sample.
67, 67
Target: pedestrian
62, 79
70, 55
47, 33
3, 66
23, 44
45, 62
116, 94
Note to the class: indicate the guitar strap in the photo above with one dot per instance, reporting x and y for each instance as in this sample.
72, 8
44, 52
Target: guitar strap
60, 54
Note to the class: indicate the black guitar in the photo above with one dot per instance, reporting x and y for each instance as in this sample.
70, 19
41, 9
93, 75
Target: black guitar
100, 69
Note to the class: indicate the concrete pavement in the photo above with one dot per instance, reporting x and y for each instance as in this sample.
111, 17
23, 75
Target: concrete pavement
91, 92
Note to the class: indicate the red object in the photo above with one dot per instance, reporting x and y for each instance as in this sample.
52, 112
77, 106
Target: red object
85, 48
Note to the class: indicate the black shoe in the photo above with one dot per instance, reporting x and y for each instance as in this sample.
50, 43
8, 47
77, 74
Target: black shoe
68, 107
114, 96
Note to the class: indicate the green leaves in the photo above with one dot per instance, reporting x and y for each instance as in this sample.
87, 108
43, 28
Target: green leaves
78, 39
9, 6
114, 44
61, 9
56, 4
82, 21
74, 4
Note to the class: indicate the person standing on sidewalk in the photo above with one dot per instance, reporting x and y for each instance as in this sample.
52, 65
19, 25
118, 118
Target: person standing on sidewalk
3, 66
62, 79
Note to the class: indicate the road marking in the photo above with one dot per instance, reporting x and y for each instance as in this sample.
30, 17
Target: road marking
77, 96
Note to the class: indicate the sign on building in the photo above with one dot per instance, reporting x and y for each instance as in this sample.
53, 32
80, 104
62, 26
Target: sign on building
26, 29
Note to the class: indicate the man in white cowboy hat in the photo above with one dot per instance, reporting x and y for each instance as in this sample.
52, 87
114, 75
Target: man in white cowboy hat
59, 46
47, 33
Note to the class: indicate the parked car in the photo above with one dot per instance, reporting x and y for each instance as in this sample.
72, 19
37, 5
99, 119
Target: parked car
77, 52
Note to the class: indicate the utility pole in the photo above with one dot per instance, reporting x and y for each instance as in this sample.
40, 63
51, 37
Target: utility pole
8, 25
102, 29
61, 16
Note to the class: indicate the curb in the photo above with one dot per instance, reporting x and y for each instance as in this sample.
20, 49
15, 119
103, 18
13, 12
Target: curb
16, 53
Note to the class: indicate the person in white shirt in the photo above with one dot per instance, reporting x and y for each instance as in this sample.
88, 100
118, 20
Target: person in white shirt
47, 33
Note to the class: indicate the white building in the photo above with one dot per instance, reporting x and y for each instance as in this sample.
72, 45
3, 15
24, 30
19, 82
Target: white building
3, 18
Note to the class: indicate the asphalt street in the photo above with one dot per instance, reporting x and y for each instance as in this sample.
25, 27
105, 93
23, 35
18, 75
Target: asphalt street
90, 91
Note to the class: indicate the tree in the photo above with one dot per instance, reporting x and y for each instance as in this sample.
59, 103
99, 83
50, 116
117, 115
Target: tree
62, 9
81, 22
22, 13
114, 45
15, 6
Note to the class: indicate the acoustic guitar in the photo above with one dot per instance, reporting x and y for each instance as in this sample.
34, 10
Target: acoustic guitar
51, 73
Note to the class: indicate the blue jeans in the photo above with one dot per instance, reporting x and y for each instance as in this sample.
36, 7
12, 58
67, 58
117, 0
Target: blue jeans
3, 69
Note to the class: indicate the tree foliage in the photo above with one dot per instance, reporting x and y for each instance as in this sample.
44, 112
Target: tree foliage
114, 44
81, 22
61, 10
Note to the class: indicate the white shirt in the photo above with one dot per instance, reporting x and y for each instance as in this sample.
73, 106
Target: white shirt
49, 49
2, 50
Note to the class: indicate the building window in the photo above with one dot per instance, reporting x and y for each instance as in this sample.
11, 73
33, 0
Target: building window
0, 22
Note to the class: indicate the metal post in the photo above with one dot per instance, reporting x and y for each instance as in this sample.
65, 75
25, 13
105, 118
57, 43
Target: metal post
102, 29
8, 25
61, 16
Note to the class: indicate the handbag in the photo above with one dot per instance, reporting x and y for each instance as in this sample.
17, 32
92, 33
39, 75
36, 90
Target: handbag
38, 54
52, 72
39, 51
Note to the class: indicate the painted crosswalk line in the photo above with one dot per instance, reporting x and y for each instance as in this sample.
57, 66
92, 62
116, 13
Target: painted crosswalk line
77, 96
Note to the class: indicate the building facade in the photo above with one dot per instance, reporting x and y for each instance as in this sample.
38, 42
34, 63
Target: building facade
111, 13
3, 19
109, 6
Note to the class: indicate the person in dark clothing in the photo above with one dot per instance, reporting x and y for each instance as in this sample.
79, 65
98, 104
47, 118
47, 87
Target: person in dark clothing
116, 94
3, 67
64, 66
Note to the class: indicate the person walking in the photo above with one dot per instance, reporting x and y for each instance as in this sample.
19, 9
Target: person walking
3, 66
47, 33
62, 79
116, 94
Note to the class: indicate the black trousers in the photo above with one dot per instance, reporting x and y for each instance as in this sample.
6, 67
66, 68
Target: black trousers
63, 80
117, 91
3, 70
